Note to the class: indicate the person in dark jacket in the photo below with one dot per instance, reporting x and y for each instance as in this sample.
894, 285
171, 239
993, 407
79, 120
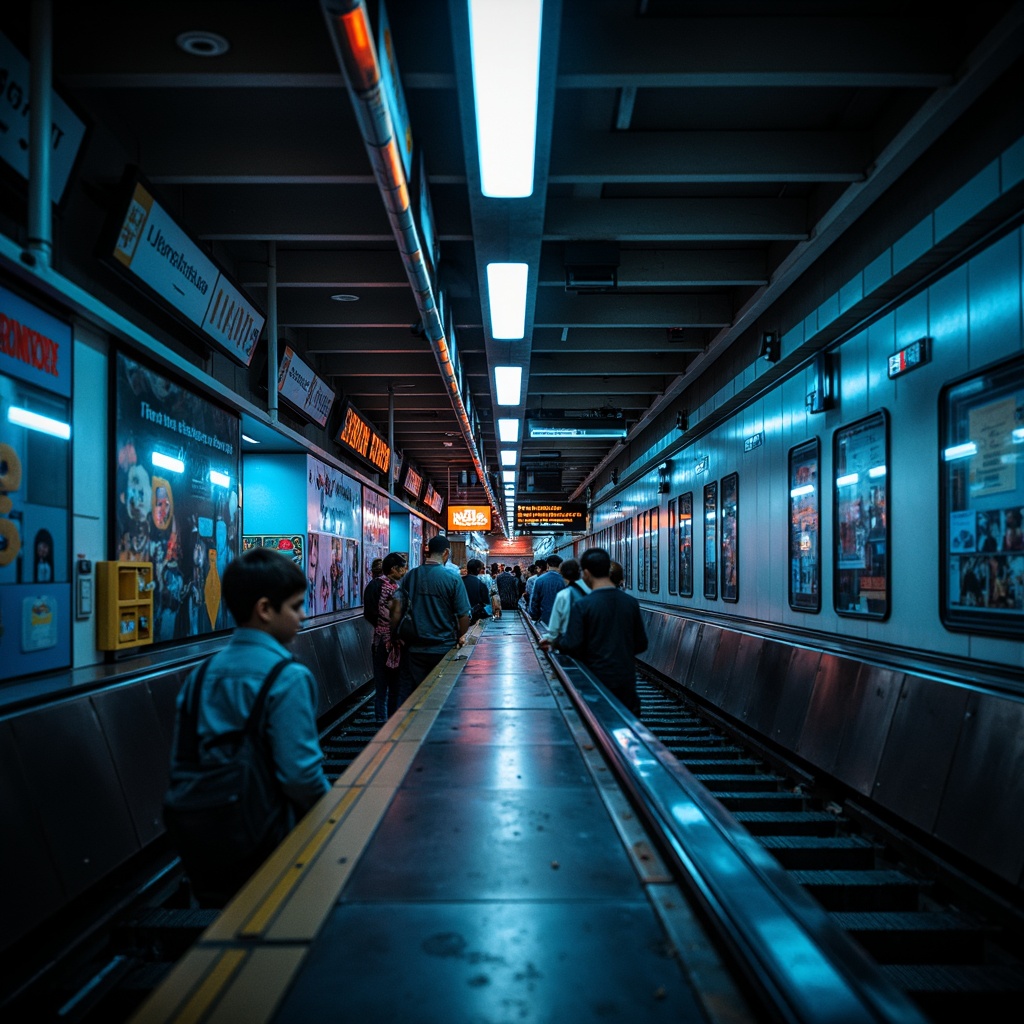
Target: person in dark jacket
545, 589
508, 590
606, 631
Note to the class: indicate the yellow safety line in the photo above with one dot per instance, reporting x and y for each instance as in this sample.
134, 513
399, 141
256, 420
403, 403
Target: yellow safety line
268, 906
200, 1001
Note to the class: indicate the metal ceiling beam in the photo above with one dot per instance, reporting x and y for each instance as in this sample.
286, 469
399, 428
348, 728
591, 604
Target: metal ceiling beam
594, 340
673, 220
643, 157
618, 309
610, 48
667, 268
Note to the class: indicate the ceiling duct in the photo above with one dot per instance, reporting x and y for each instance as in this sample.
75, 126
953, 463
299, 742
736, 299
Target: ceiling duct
351, 34
591, 266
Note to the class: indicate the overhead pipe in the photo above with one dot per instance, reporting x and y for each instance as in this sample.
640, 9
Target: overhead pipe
357, 55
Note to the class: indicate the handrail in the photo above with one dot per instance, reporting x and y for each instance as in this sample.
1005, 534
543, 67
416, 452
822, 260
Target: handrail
805, 968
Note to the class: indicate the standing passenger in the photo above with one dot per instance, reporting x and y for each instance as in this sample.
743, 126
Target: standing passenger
548, 584
574, 590
386, 653
264, 591
606, 631
508, 590
439, 611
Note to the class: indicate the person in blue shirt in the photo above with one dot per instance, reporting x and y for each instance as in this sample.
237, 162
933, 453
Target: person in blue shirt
265, 592
548, 584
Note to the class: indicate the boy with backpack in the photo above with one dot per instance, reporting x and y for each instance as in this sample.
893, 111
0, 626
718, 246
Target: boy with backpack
246, 762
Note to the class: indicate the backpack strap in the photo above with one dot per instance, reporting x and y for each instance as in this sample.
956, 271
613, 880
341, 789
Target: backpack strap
252, 722
188, 732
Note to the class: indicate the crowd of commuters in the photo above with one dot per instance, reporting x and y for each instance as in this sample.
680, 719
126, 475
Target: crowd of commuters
417, 617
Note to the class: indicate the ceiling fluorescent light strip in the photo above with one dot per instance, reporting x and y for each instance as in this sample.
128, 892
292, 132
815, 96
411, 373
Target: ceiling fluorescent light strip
504, 42
508, 384
506, 297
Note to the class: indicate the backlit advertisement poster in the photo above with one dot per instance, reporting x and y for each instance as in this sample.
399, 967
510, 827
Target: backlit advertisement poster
176, 496
335, 528
415, 541
35, 442
376, 528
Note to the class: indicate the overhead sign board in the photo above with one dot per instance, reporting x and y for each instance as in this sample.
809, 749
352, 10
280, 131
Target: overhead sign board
469, 517
359, 437
413, 482
154, 252
66, 129
303, 389
433, 498
567, 517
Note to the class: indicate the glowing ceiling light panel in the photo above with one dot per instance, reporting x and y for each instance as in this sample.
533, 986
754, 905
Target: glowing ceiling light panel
508, 384
506, 296
508, 431
508, 458
504, 42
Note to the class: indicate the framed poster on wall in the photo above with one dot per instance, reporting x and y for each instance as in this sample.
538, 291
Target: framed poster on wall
711, 540
627, 562
982, 502
804, 527
641, 551
655, 573
685, 553
673, 539
175, 495
730, 537
860, 504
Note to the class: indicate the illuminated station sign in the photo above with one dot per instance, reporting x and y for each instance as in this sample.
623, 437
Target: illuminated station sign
360, 438
469, 517
565, 517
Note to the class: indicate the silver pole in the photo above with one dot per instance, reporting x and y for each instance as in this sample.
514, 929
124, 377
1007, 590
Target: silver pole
272, 358
391, 438
40, 128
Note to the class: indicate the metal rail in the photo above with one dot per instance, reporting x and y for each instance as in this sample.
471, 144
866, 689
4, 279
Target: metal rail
803, 967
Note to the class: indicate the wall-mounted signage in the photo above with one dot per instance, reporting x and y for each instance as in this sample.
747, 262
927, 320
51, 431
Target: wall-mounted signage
754, 441
909, 358
155, 253
413, 482
359, 437
469, 517
568, 517
66, 130
34, 346
433, 498
303, 389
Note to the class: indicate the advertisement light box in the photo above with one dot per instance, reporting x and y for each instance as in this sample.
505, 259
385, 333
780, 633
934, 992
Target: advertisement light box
359, 437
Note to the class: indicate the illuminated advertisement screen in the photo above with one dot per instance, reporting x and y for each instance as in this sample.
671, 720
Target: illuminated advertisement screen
469, 517
175, 496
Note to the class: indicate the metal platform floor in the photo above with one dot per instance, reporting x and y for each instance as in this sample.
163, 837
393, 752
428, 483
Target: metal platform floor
477, 863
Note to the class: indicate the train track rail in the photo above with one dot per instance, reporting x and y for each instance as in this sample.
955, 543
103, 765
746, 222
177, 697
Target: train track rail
953, 946
99, 960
